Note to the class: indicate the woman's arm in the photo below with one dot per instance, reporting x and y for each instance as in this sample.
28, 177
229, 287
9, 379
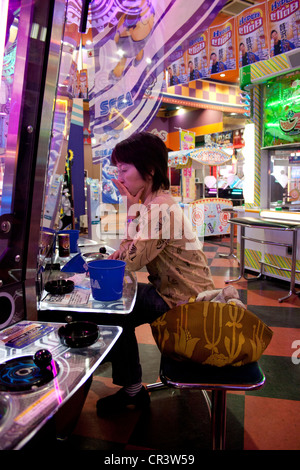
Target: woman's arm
147, 236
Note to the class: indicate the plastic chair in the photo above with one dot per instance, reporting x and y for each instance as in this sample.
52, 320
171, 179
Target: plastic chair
220, 380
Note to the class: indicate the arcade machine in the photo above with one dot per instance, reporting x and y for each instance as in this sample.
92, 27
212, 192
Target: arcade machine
44, 374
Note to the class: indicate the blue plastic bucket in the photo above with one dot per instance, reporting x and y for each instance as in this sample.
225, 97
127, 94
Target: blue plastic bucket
106, 276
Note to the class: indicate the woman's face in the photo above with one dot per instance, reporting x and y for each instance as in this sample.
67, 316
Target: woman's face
130, 177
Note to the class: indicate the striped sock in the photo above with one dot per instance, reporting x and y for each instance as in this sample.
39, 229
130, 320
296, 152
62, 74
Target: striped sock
132, 390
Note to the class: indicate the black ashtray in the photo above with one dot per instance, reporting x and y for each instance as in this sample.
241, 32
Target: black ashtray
59, 287
79, 334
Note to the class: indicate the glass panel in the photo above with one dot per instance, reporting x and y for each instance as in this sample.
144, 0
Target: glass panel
55, 178
285, 180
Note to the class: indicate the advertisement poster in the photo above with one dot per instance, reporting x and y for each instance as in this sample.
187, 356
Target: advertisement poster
187, 142
110, 194
282, 111
177, 68
284, 26
81, 85
222, 50
197, 57
253, 35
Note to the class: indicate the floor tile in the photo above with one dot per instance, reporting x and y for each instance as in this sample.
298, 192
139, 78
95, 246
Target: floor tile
144, 334
282, 342
287, 317
271, 424
271, 298
282, 378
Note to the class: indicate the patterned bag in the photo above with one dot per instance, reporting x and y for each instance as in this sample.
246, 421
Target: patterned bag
212, 333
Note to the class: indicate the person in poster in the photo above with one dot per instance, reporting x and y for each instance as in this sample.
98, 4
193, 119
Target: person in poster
216, 66
252, 33
246, 57
280, 45
173, 79
222, 47
193, 73
196, 56
183, 76
177, 67
283, 26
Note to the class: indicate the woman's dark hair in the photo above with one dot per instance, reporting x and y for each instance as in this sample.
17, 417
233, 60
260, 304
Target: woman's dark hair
148, 153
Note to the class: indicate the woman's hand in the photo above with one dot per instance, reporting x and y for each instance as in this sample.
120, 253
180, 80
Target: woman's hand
114, 255
131, 199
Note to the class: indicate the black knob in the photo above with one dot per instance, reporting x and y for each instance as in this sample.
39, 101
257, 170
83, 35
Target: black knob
42, 358
102, 249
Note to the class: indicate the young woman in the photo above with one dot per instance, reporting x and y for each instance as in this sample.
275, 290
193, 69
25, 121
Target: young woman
160, 238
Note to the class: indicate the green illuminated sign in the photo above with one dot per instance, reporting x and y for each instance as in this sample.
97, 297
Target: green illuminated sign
282, 111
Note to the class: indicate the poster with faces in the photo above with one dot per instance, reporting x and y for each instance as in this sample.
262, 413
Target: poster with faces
222, 48
284, 26
197, 57
252, 32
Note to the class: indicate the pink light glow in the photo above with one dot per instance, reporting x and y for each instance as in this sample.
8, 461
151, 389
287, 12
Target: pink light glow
55, 382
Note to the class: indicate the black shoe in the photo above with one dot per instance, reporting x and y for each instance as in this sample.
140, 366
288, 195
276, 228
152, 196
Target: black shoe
121, 401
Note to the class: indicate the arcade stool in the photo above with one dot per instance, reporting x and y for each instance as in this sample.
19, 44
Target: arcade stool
191, 375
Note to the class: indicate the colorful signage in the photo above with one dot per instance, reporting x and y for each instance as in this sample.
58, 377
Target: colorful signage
197, 57
260, 32
187, 142
282, 110
284, 25
222, 50
252, 32
211, 156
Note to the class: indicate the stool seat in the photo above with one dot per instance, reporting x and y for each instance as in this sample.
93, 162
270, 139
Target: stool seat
191, 375
184, 374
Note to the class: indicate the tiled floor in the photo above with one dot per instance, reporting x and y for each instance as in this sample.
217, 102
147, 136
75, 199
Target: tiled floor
267, 419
